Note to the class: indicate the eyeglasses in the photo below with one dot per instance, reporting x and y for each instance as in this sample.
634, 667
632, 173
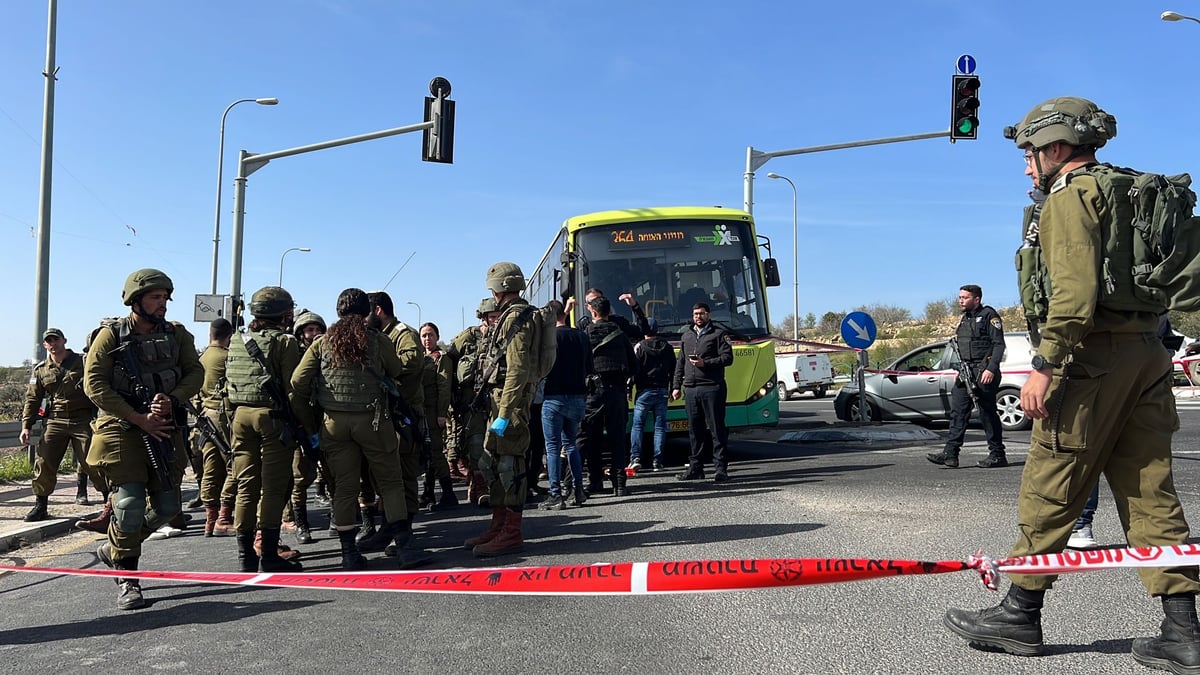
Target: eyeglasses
1029, 158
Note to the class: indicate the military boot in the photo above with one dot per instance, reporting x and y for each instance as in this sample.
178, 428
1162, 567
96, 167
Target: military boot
247, 556
282, 550
449, 499
99, 524
1177, 648
81, 497
378, 540
211, 513
619, 479
352, 560
427, 502
477, 491
224, 525
498, 518
1015, 625
303, 531
129, 591
507, 540
271, 560
408, 553
947, 458
39, 510
368, 511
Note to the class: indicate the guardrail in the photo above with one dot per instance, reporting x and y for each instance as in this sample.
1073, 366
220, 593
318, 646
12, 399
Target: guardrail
10, 437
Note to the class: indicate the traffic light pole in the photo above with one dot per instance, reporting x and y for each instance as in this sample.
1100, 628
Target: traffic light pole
756, 158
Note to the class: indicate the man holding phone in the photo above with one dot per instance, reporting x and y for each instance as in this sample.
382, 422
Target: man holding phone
704, 353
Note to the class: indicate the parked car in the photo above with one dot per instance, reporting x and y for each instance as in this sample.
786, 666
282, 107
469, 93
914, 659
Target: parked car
798, 373
917, 386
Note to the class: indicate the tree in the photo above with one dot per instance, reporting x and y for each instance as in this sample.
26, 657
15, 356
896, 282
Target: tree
831, 322
938, 310
886, 313
810, 320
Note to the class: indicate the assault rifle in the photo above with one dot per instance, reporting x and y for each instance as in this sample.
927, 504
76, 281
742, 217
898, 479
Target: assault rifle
209, 432
159, 451
292, 428
967, 375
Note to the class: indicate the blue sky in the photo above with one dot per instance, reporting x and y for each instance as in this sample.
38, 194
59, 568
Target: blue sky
563, 108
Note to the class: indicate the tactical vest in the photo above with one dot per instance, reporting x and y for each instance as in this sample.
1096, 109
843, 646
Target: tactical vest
972, 347
467, 367
350, 388
244, 375
157, 355
609, 358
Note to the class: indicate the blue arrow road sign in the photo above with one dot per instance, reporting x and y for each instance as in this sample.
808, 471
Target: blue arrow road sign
966, 64
858, 330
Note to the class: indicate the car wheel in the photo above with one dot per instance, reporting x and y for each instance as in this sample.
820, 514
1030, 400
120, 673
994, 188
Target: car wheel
820, 391
782, 391
1012, 417
855, 411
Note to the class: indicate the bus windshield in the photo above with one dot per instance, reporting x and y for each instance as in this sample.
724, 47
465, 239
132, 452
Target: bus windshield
670, 265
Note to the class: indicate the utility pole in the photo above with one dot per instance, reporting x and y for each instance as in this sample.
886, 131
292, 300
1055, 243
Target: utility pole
41, 284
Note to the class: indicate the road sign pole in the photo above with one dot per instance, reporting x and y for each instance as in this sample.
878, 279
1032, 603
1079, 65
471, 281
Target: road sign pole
864, 408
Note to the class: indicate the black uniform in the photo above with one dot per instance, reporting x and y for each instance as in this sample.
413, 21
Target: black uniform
981, 344
607, 414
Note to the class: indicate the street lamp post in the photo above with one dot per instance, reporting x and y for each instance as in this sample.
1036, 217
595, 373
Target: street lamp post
220, 173
410, 302
795, 259
1176, 16
302, 249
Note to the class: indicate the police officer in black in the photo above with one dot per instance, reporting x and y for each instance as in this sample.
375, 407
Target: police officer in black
606, 418
980, 338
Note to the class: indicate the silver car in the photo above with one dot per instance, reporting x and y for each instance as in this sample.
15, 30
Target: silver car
917, 386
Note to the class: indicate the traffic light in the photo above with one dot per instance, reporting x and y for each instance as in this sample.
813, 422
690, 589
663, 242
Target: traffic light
438, 142
964, 113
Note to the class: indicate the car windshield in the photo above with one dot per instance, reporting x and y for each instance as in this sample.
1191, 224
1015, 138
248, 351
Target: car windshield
930, 358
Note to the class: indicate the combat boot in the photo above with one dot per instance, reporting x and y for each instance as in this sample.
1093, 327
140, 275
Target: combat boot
498, 518
99, 524
224, 525
477, 491
1177, 648
619, 478
408, 554
247, 555
81, 497
281, 550
129, 591
303, 531
211, 513
449, 499
271, 558
1015, 625
947, 458
508, 540
427, 500
352, 560
368, 511
39, 510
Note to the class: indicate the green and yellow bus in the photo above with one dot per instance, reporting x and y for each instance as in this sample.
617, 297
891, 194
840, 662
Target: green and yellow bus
670, 258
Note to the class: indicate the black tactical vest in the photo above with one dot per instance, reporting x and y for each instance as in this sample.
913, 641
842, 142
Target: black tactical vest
974, 343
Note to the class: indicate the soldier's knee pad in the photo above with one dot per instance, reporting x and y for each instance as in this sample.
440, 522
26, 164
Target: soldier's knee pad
129, 507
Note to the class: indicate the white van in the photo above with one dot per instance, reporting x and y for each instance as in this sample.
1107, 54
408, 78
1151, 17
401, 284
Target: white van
798, 373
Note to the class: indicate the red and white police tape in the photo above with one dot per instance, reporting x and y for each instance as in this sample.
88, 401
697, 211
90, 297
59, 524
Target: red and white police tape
652, 578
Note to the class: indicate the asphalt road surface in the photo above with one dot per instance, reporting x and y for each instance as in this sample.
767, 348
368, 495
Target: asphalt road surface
785, 501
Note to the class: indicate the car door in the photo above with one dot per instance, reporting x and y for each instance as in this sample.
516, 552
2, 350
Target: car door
914, 386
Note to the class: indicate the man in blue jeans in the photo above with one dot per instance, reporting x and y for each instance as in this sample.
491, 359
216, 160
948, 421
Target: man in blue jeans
655, 366
563, 404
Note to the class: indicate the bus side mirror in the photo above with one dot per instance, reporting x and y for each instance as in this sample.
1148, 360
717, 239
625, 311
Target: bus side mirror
562, 284
771, 272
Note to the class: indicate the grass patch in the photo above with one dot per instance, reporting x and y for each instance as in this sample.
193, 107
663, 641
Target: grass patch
15, 467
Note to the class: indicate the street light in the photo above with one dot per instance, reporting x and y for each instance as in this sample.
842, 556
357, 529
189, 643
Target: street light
410, 302
220, 167
795, 259
1176, 16
302, 249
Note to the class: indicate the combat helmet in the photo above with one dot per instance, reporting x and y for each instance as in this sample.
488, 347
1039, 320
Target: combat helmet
505, 277
143, 280
271, 302
1069, 119
486, 306
305, 317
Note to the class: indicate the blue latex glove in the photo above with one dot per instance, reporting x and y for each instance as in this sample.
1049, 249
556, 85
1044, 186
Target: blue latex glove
315, 440
499, 426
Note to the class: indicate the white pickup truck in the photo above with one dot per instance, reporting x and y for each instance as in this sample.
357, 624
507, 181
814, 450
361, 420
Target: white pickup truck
797, 373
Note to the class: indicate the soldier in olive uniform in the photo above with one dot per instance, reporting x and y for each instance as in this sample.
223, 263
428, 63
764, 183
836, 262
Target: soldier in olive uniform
69, 413
980, 340
263, 357
343, 371
1100, 393
308, 327
435, 378
218, 484
131, 360
508, 370
467, 423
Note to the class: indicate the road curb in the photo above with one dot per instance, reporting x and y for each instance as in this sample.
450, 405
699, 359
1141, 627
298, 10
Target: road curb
31, 533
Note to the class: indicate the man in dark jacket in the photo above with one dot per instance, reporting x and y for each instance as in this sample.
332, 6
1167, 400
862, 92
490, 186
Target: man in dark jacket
633, 330
655, 368
704, 353
563, 406
607, 411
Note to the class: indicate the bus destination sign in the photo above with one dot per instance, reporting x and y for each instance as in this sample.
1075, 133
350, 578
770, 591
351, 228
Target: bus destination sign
627, 238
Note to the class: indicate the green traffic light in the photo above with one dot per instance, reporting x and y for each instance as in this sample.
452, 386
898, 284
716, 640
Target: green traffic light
966, 125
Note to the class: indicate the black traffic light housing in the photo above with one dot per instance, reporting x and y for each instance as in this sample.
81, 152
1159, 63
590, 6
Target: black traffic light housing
437, 143
964, 111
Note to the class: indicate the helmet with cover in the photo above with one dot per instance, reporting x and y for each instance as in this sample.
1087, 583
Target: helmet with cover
305, 317
143, 281
486, 306
271, 302
505, 277
1067, 119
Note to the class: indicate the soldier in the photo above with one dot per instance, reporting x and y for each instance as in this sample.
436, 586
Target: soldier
69, 413
258, 373
218, 484
436, 382
138, 368
607, 415
1100, 392
980, 343
343, 372
507, 371
308, 327
468, 423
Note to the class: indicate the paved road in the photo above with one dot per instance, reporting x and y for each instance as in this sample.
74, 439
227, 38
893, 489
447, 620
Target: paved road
785, 501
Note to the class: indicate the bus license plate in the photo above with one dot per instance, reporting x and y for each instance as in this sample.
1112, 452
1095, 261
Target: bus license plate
677, 425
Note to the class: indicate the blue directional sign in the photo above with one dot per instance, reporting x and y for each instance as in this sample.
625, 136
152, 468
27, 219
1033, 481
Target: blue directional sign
858, 330
966, 64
